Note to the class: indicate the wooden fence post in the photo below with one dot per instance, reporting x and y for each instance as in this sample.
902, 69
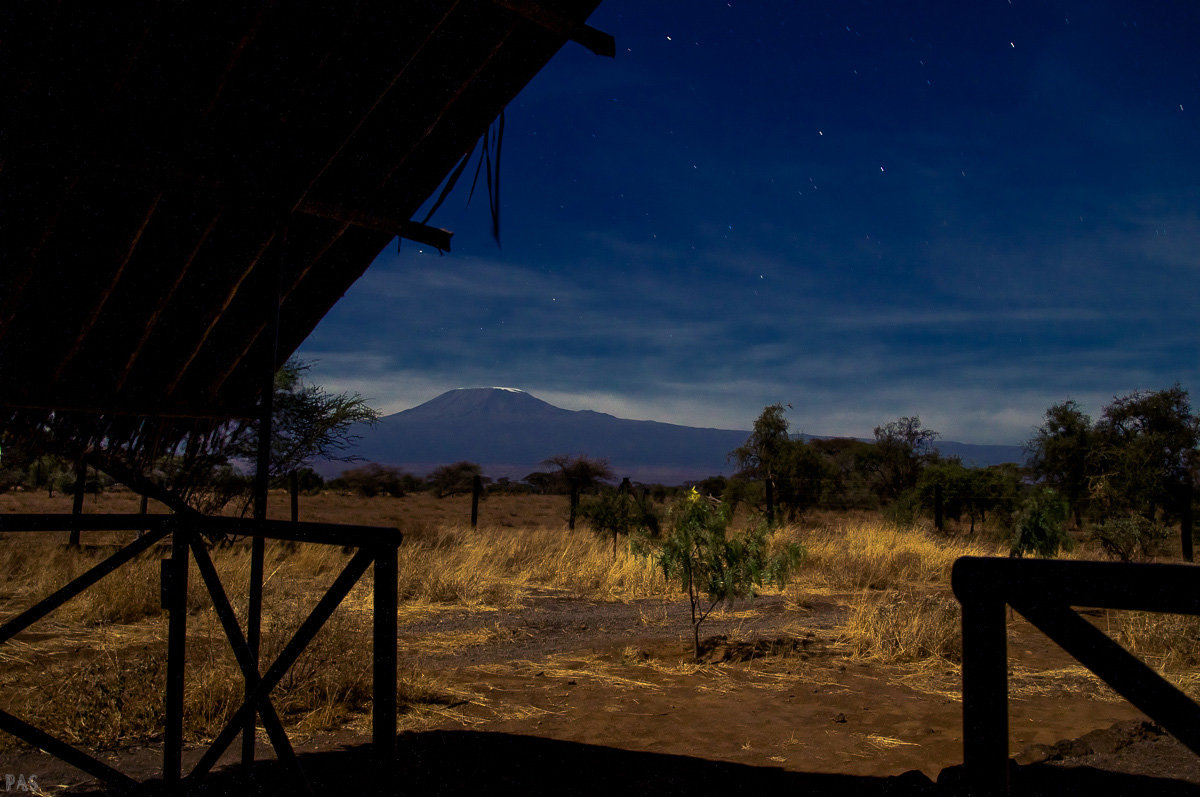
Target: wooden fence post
476, 491
175, 591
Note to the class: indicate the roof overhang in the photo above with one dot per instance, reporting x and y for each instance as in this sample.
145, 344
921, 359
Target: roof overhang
188, 188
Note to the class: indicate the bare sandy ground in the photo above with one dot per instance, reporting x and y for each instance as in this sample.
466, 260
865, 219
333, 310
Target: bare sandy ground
775, 692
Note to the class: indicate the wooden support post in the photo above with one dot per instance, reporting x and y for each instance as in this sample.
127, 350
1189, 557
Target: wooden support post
383, 704
770, 490
262, 477
476, 491
294, 492
1186, 522
176, 572
938, 520
77, 501
985, 695
257, 555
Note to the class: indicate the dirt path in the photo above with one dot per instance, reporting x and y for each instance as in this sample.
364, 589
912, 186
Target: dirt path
783, 695
776, 690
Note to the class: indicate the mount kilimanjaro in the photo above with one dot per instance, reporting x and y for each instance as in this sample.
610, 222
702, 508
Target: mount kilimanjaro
510, 432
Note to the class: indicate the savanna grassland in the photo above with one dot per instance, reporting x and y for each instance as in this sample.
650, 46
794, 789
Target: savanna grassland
522, 626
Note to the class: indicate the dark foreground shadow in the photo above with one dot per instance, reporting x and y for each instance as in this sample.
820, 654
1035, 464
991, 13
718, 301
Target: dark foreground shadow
473, 763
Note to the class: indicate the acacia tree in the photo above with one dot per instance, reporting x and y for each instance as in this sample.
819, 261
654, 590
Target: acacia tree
580, 473
189, 465
761, 456
454, 479
1146, 454
902, 448
1060, 454
308, 423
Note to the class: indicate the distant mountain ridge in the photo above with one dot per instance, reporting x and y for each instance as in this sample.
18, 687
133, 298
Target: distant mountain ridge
510, 432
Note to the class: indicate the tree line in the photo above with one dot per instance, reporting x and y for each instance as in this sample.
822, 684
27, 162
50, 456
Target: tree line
1125, 480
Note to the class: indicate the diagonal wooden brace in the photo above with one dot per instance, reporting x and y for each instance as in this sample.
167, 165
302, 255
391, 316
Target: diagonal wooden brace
241, 651
325, 607
1125, 673
51, 602
65, 752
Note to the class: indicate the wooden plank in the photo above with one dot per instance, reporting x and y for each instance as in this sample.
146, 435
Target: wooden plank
1155, 587
156, 313
247, 661
215, 316
93, 316
551, 20
374, 220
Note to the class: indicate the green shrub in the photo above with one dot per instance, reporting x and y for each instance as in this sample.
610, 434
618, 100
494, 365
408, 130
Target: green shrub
1131, 538
1040, 525
711, 566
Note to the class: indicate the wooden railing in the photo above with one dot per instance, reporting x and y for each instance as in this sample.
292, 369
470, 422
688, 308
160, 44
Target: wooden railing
1044, 592
376, 547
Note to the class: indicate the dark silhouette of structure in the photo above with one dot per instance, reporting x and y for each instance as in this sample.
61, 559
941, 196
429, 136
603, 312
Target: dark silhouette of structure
185, 191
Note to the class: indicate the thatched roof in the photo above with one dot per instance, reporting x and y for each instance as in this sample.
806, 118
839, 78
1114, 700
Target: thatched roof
168, 169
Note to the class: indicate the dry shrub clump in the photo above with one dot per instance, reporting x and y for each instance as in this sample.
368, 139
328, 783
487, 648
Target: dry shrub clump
1168, 642
34, 569
111, 693
872, 554
111, 700
492, 565
900, 609
904, 626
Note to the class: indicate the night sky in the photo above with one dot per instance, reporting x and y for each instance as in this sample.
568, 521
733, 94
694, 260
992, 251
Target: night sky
966, 211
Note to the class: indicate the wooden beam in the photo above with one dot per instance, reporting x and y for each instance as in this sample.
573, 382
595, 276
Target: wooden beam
158, 311
215, 316
362, 119
147, 408
94, 316
374, 220
550, 19
14, 300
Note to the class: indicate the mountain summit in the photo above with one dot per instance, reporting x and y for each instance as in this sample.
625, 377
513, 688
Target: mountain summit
510, 432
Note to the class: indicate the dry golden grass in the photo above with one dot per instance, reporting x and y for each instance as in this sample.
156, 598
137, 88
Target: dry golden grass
496, 566
866, 553
893, 582
904, 626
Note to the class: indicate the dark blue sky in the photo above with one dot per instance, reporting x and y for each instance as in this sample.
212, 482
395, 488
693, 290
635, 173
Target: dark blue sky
965, 211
